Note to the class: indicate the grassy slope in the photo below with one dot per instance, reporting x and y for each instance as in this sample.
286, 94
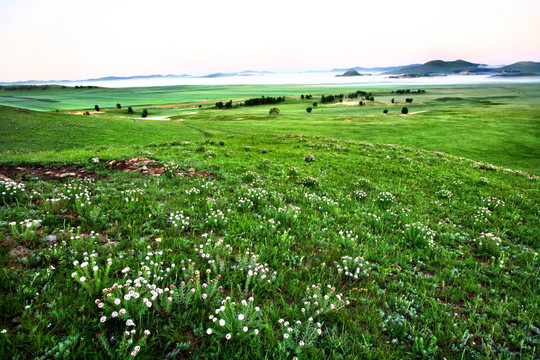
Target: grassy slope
497, 124
451, 301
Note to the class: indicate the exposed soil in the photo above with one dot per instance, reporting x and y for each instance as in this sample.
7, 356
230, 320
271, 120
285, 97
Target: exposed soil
44, 172
153, 167
142, 165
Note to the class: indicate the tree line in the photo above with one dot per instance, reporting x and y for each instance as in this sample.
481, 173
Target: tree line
409, 91
264, 101
24, 87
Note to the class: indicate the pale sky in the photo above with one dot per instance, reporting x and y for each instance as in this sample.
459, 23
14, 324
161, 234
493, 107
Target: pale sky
78, 39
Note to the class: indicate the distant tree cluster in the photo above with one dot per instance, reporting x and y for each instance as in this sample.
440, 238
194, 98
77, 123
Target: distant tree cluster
325, 99
83, 87
409, 91
360, 93
24, 87
221, 105
307, 97
264, 101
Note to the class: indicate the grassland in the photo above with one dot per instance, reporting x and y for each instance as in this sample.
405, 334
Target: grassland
293, 236
496, 124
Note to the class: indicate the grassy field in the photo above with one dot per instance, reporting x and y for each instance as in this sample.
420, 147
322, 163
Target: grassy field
221, 234
496, 124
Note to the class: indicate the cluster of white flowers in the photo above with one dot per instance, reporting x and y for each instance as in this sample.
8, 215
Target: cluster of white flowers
178, 220
385, 197
356, 268
10, 188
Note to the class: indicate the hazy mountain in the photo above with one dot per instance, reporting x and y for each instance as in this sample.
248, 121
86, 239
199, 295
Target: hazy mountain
350, 72
106, 78
441, 67
522, 66
242, 73
374, 69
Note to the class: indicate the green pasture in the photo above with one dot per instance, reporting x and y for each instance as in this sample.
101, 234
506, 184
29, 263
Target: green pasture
497, 123
343, 233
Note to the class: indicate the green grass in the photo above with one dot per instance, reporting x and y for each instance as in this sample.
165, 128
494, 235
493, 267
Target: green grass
497, 123
299, 235
451, 250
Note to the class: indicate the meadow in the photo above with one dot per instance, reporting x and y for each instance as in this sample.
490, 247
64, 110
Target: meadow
343, 233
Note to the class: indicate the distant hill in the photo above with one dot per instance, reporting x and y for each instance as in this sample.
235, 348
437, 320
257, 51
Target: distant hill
350, 72
106, 78
373, 69
522, 67
242, 73
440, 67
515, 74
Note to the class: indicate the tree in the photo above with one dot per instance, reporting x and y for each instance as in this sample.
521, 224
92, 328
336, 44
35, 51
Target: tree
274, 111
315, 104
96, 108
309, 109
404, 111
392, 99
118, 106
302, 96
130, 110
385, 111
144, 113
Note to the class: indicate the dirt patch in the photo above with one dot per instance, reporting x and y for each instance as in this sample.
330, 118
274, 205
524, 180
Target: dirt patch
148, 166
160, 118
136, 164
44, 172
348, 120
345, 103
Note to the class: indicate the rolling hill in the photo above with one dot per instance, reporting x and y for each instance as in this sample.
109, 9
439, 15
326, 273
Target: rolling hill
439, 67
523, 67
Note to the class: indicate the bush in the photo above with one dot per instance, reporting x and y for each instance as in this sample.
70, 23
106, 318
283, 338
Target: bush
274, 111
309, 109
385, 111
118, 106
144, 113
96, 108
404, 110
315, 104
130, 110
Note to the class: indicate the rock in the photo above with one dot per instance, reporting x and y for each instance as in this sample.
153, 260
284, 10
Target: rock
51, 238
19, 252
159, 171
